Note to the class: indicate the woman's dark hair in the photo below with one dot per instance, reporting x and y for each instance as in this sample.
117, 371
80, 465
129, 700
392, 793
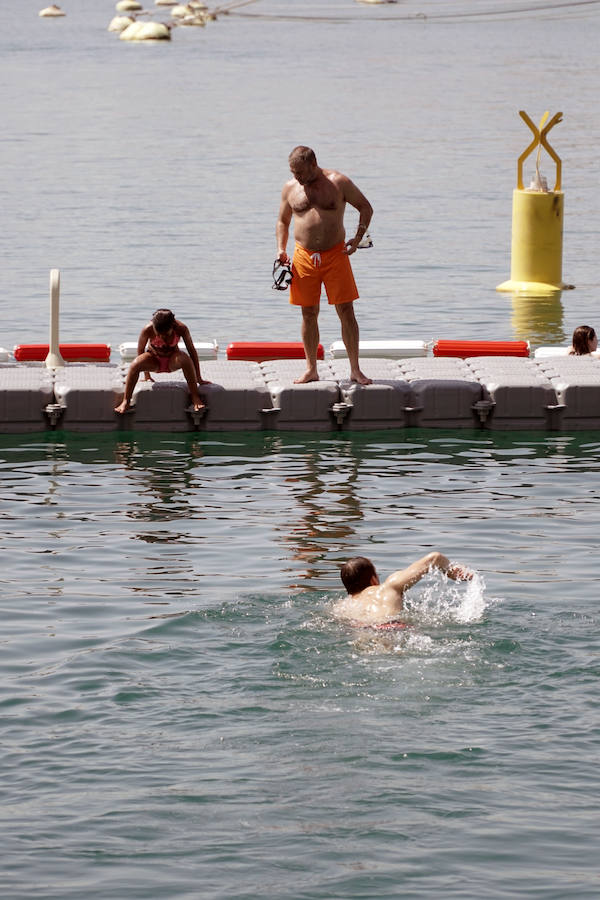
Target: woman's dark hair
582, 337
163, 320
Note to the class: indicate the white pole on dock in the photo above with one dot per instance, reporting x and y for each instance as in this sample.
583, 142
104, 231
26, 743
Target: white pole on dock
54, 360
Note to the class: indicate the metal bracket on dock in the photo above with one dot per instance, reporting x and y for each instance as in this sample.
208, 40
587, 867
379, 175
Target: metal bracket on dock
54, 412
340, 411
269, 412
411, 413
554, 416
196, 415
483, 408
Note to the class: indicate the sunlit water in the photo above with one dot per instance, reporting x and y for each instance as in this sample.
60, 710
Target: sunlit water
182, 716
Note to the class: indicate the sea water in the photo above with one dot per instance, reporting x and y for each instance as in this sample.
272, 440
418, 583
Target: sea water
182, 716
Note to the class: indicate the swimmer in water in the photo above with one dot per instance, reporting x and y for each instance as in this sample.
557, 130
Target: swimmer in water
370, 603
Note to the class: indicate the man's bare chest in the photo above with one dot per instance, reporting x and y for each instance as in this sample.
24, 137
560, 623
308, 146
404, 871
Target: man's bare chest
325, 198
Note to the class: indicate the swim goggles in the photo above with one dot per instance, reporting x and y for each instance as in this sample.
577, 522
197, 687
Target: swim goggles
282, 276
365, 242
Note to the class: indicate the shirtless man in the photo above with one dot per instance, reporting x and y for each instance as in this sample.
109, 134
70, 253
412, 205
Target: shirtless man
371, 603
317, 199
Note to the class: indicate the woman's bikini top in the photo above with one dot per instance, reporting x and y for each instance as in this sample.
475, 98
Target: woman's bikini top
164, 347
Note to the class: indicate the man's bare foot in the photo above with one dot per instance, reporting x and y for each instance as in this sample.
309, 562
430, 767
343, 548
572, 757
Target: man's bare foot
197, 406
123, 407
309, 375
360, 378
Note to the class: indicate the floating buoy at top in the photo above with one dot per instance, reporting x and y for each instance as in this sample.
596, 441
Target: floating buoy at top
120, 23
146, 31
51, 12
128, 6
179, 11
165, 2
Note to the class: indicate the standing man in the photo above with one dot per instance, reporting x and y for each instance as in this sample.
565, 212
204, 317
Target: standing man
317, 199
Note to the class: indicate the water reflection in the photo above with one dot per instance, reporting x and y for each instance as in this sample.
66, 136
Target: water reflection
325, 509
163, 477
538, 319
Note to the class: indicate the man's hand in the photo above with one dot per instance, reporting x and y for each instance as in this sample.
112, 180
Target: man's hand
284, 258
459, 573
352, 246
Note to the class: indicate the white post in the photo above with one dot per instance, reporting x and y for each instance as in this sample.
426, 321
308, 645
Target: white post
54, 360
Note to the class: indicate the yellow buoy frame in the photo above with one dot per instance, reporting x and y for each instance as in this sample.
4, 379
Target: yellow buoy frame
537, 223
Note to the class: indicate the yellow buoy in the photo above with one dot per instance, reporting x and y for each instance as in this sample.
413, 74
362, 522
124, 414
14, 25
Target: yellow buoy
537, 224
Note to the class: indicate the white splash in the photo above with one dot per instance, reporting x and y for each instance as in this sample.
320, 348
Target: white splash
438, 600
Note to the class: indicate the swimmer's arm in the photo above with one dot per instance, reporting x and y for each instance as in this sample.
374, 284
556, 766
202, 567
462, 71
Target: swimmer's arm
400, 581
282, 229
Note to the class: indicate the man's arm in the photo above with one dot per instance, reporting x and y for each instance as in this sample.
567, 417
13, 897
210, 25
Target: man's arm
357, 199
400, 581
282, 229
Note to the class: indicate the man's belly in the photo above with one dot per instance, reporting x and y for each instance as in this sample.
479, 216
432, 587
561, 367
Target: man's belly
318, 235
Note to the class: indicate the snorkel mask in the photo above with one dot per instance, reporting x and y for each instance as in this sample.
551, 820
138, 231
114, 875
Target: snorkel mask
282, 276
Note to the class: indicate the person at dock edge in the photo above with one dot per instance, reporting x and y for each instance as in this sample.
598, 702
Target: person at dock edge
317, 198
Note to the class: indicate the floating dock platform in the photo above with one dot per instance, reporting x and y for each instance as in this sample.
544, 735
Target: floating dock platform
554, 393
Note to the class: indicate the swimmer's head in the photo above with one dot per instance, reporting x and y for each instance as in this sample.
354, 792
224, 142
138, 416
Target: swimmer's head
163, 321
358, 573
584, 340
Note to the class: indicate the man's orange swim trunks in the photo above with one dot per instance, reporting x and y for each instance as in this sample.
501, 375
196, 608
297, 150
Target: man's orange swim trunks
329, 267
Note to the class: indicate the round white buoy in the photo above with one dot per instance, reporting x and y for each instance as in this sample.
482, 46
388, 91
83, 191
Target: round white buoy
120, 23
51, 12
146, 31
128, 6
180, 11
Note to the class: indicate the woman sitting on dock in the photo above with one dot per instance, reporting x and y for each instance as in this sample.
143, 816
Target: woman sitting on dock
158, 351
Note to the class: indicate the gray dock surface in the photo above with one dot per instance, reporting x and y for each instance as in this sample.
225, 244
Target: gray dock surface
554, 393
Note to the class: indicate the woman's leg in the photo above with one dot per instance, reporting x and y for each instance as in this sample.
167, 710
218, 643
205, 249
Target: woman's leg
181, 360
144, 363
